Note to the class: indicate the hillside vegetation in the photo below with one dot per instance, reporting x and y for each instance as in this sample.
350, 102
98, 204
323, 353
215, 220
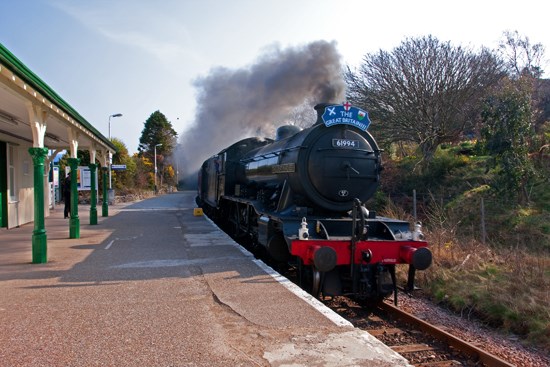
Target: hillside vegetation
491, 254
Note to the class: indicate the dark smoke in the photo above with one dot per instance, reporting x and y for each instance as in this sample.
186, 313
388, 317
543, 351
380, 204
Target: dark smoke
234, 104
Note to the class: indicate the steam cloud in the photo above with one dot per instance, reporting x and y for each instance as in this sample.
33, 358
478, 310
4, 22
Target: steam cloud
234, 104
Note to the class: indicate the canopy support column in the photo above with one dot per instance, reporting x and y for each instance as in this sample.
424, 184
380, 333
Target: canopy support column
39, 237
37, 118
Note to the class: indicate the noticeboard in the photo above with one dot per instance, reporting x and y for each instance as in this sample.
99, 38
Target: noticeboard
83, 178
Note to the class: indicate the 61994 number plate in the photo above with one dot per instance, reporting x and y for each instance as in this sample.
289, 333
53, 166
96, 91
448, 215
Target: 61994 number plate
345, 143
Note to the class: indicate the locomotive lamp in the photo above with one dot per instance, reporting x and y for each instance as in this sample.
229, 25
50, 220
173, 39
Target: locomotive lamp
303, 232
417, 233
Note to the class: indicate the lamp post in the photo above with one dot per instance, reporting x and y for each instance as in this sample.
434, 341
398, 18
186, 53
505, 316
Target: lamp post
110, 158
158, 145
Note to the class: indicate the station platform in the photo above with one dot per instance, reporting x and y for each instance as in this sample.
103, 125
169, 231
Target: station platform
154, 285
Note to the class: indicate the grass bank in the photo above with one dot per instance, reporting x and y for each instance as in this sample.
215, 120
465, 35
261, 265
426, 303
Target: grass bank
491, 255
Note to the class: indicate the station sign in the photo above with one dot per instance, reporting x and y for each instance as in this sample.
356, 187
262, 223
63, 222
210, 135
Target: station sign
118, 167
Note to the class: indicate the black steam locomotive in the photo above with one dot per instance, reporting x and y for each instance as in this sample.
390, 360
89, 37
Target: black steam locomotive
300, 198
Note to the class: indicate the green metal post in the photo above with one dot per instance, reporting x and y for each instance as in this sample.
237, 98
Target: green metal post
105, 208
93, 194
39, 238
74, 229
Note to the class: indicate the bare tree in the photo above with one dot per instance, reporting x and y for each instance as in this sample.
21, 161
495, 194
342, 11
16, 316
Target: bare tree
524, 64
521, 57
423, 91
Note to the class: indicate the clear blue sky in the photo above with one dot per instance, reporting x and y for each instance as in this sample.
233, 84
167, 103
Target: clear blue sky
138, 56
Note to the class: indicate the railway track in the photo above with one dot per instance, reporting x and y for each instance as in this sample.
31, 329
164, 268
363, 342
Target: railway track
471, 350
422, 344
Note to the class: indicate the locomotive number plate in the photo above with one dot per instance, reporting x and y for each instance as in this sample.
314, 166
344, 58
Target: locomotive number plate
345, 143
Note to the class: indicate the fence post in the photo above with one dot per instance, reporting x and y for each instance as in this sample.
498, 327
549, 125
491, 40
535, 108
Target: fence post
414, 205
483, 231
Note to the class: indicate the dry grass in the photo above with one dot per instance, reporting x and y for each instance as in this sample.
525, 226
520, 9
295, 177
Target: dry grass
508, 288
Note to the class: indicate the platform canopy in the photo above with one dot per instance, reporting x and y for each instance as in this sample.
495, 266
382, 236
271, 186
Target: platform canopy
31, 111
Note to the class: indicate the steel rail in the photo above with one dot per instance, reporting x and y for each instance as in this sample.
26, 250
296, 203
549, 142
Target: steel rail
468, 348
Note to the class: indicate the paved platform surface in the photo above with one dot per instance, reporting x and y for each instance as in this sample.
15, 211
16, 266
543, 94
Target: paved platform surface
153, 285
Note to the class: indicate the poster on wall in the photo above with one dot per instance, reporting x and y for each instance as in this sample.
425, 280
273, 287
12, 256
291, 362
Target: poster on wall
56, 176
83, 178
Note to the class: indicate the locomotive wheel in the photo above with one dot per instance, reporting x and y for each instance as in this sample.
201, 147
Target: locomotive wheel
277, 248
310, 280
316, 283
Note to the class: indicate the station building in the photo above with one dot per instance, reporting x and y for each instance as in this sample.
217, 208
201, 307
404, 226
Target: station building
35, 125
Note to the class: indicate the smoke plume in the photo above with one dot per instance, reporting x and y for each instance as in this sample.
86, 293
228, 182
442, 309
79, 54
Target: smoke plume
234, 104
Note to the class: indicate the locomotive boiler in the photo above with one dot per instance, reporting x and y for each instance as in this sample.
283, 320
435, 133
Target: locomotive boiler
300, 198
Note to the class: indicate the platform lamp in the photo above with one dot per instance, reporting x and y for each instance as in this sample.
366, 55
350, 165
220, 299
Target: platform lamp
158, 145
113, 115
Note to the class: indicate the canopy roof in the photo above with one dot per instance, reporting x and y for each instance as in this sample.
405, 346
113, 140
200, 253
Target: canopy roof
20, 88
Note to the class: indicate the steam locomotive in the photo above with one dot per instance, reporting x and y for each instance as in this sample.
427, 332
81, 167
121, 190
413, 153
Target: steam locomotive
301, 199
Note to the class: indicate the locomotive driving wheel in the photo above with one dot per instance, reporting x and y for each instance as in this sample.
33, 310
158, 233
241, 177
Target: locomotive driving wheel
316, 283
310, 279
